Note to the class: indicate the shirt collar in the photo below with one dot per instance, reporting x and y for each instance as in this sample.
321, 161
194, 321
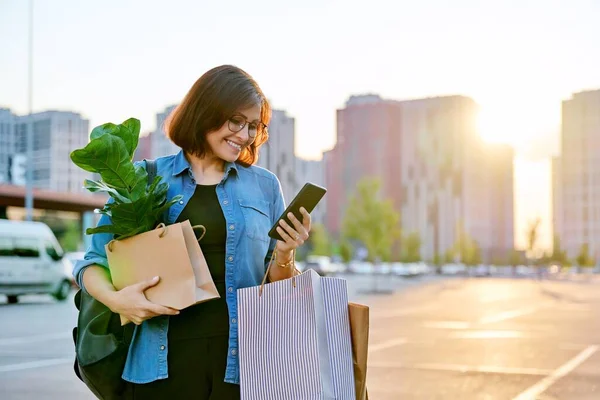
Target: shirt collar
181, 164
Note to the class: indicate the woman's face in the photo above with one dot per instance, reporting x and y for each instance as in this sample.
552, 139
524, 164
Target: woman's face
227, 144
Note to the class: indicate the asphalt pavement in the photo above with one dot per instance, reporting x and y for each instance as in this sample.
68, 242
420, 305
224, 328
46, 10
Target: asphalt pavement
431, 338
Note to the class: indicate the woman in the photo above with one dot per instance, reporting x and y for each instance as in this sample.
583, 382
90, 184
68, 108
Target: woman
220, 126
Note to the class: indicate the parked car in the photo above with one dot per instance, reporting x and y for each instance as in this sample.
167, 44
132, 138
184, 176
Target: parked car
323, 265
31, 261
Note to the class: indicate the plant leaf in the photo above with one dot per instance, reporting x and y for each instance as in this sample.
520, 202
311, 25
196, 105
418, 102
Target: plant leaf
129, 131
129, 217
100, 229
160, 210
108, 156
96, 186
134, 206
103, 129
139, 189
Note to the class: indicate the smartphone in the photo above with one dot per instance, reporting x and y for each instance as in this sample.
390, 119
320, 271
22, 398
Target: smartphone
308, 197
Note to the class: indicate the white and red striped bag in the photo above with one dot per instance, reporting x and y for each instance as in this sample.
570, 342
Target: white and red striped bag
294, 340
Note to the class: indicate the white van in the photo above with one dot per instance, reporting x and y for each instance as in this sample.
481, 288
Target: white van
31, 261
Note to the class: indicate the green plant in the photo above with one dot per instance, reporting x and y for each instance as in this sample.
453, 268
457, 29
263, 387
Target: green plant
411, 248
134, 206
371, 221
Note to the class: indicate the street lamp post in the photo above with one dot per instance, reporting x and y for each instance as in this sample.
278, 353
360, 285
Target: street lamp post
29, 174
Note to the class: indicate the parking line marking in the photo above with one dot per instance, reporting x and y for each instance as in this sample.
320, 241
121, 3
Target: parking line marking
35, 364
34, 339
453, 325
566, 368
503, 316
386, 345
464, 368
399, 313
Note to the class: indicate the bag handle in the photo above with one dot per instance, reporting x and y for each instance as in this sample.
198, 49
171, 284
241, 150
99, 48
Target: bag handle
203, 230
160, 235
295, 271
163, 233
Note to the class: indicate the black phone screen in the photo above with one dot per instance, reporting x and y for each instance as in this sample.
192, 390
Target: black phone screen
308, 197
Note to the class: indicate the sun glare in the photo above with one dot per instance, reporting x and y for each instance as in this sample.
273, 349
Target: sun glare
494, 128
508, 125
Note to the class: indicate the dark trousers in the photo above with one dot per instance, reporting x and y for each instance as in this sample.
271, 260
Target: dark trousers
196, 371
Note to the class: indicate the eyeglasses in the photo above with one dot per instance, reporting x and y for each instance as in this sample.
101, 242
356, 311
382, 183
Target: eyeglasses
238, 122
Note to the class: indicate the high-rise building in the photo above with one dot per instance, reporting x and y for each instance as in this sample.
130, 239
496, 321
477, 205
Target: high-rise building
278, 154
368, 134
55, 135
144, 148
431, 163
576, 175
7, 142
161, 145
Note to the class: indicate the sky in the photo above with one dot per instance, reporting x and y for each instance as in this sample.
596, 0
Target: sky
112, 60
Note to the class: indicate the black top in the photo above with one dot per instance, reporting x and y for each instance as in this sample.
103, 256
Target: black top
210, 318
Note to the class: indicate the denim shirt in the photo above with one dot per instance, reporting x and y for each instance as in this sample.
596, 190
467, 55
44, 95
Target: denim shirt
252, 201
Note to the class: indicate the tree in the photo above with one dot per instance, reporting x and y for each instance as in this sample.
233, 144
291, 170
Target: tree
319, 240
498, 261
558, 254
371, 221
411, 248
346, 251
532, 236
449, 256
466, 248
437, 261
514, 259
583, 258
71, 237
474, 255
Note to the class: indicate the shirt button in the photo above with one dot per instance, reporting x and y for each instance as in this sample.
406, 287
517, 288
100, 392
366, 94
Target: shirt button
233, 352
231, 227
162, 347
230, 290
180, 201
225, 202
230, 258
233, 320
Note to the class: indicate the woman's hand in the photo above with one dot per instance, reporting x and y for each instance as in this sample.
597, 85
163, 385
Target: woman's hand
131, 303
293, 236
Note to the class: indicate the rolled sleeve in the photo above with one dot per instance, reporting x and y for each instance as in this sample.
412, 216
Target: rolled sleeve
95, 254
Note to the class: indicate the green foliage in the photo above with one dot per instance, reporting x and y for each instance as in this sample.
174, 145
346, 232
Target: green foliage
449, 256
514, 258
319, 239
371, 221
466, 247
583, 258
532, 236
411, 248
346, 251
558, 254
69, 240
135, 207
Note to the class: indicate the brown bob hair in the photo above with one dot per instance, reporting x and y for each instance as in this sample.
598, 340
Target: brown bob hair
212, 100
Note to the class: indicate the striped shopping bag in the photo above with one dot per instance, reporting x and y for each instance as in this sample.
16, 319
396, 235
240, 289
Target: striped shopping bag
294, 340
